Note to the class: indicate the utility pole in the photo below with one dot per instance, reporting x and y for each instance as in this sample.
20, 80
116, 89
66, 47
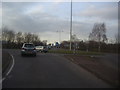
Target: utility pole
71, 28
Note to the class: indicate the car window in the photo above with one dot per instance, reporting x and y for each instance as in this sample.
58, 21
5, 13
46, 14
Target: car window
29, 45
37, 46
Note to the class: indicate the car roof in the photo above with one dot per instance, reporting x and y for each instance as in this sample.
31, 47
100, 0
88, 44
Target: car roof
39, 46
28, 43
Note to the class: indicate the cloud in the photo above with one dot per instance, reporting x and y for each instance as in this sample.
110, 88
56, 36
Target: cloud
34, 9
31, 21
61, 0
35, 21
0, 14
109, 12
37, 18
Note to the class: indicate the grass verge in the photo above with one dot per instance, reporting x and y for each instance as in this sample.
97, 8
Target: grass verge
62, 51
93, 65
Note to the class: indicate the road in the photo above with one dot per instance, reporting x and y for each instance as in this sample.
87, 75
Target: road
0, 65
48, 70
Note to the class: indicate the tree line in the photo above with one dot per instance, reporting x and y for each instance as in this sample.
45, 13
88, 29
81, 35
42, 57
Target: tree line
11, 39
98, 41
91, 46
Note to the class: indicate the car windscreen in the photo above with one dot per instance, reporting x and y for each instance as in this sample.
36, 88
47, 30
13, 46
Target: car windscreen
29, 45
45, 47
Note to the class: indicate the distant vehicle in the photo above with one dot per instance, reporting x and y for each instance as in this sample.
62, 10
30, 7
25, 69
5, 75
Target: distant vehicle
28, 49
49, 47
42, 49
57, 45
45, 49
39, 48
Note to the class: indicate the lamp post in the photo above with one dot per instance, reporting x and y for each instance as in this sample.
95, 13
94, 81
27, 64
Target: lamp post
71, 27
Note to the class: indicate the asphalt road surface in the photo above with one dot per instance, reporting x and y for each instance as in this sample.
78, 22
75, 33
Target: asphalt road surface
48, 70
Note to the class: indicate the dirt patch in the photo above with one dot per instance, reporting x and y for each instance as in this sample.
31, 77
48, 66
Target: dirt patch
94, 65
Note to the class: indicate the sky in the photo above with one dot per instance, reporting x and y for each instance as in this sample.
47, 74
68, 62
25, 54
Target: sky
48, 19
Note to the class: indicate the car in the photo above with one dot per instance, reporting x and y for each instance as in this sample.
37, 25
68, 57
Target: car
28, 49
39, 48
42, 49
49, 47
45, 49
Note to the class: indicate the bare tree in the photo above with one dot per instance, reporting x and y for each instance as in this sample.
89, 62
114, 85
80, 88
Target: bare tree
4, 33
19, 37
31, 38
44, 42
0, 34
27, 37
98, 33
75, 40
35, 38
117, 38
8, 35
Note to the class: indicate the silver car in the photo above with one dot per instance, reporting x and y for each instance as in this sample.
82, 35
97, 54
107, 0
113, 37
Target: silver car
28, 49
39, 48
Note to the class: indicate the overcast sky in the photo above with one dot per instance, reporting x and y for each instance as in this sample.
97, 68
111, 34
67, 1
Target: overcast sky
46, 18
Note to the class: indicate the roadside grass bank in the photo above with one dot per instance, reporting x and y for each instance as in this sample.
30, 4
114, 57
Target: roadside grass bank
6, 61
94, 65
62, 51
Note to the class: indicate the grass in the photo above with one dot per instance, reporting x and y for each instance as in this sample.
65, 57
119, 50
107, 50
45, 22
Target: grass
62, 51
89, 53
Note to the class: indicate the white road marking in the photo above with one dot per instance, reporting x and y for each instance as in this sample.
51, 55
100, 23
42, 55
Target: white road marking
9, 69
12, 65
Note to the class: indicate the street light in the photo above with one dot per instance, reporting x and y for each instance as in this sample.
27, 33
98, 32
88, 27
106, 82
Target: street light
71, 27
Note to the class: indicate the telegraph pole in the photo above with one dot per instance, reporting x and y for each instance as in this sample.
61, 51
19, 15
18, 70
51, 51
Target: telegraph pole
71, 27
